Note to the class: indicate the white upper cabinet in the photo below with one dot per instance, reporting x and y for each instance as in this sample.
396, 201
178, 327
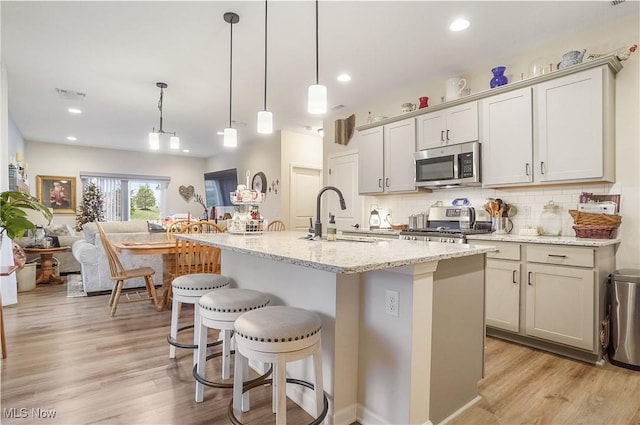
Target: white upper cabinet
507, 138
450, 126
385, 160
371, 160
573, 134
557, 131
399, 147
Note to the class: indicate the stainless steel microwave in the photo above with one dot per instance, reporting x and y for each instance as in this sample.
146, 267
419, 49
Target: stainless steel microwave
448, 166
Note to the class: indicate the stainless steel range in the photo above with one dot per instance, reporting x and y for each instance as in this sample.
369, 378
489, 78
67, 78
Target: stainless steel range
447, 224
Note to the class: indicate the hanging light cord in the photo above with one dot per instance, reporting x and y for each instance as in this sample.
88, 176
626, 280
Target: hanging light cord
230, 71
265, 54
317, 61
160, 108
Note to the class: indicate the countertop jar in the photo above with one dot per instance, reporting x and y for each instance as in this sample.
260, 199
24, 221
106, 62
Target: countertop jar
551, 220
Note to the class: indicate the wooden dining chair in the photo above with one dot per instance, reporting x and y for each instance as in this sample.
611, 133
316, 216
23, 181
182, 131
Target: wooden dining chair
276, 226
120, 274
202, 227
176, 227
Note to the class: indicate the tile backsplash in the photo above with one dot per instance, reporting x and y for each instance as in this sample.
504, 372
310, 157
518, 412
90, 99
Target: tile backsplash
529, 202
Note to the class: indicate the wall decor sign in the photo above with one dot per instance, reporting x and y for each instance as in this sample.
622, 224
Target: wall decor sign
187, 192
57, 193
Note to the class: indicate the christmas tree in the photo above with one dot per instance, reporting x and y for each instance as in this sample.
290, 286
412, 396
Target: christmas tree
91, 207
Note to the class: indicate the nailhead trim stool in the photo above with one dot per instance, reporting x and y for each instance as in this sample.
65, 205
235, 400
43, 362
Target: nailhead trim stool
278, 335
219, 310
188, 289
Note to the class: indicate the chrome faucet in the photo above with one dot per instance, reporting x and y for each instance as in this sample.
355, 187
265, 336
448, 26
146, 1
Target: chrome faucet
318, 227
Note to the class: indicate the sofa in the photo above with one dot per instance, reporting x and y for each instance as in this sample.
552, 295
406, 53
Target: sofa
66, 262
94, 265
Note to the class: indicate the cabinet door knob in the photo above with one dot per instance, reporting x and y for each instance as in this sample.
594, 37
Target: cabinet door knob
542, 167
526, 169
442, 135
529, 278
448, 136
379, 182
515, 277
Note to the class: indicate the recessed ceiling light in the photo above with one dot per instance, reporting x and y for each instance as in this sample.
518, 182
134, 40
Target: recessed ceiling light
344, 77
74, 110
221, 133
72, 138
186, 150
459, 24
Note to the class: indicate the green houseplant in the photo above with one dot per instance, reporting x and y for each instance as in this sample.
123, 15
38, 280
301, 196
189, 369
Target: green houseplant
13, 213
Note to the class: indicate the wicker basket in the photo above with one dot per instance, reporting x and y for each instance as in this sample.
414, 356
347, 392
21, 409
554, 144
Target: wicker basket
594, 219
595, 232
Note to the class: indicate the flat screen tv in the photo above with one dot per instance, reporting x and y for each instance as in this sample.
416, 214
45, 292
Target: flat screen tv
218, 185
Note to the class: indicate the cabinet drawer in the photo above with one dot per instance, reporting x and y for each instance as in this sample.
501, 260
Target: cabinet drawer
566, 256
506, 250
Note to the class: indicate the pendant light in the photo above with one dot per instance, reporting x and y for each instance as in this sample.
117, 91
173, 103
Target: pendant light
265, 118
154, 136
230, 134
317, 95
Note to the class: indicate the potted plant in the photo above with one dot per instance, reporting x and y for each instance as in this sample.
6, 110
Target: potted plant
13, 214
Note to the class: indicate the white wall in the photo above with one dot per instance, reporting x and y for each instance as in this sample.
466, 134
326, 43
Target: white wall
300, 150
67, 160
530, 201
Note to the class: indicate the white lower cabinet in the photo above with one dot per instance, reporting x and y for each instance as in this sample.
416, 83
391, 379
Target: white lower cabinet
560, 303
503, 294
548, 296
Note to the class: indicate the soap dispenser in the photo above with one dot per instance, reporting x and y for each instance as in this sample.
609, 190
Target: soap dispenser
374, 218
331, 228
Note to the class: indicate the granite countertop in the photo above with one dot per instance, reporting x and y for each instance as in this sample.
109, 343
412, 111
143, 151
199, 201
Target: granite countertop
347, 255
549, 240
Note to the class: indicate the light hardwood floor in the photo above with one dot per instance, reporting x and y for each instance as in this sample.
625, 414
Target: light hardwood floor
69, 355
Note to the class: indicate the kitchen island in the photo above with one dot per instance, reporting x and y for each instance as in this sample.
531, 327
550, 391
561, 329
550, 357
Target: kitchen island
415, 361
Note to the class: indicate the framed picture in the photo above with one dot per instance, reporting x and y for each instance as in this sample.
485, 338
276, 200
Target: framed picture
57, 192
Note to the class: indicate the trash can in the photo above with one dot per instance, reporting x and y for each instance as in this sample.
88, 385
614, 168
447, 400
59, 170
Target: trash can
26, 277
624, 347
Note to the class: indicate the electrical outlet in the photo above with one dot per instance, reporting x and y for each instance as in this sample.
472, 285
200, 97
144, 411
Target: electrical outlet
391, 303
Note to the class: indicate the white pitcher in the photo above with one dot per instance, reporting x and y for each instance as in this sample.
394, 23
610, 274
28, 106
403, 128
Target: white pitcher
454, 87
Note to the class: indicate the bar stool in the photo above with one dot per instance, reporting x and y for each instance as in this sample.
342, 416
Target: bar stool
218, 310
188, 289
278, 335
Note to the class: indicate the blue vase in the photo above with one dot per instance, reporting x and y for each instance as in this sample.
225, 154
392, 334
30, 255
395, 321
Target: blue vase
499, 79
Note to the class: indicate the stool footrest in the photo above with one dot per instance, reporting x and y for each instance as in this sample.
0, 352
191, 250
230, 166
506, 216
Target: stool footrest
178, 344
213, 384
251, 384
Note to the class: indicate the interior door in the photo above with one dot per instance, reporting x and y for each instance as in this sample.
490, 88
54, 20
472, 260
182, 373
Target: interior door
343, 174
305, 185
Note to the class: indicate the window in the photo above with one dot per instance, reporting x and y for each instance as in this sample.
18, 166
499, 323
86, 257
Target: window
120, 193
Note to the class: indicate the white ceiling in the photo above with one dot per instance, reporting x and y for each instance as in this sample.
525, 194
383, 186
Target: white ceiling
115, 52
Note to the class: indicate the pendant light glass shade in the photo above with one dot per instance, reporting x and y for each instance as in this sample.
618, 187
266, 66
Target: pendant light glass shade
265, 122
174, 142
154, 141
317, 97
230, 137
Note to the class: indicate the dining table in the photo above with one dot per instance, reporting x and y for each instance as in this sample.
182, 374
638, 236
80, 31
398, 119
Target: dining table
167, 248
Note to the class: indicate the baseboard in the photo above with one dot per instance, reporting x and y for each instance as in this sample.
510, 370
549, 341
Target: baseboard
460, 410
